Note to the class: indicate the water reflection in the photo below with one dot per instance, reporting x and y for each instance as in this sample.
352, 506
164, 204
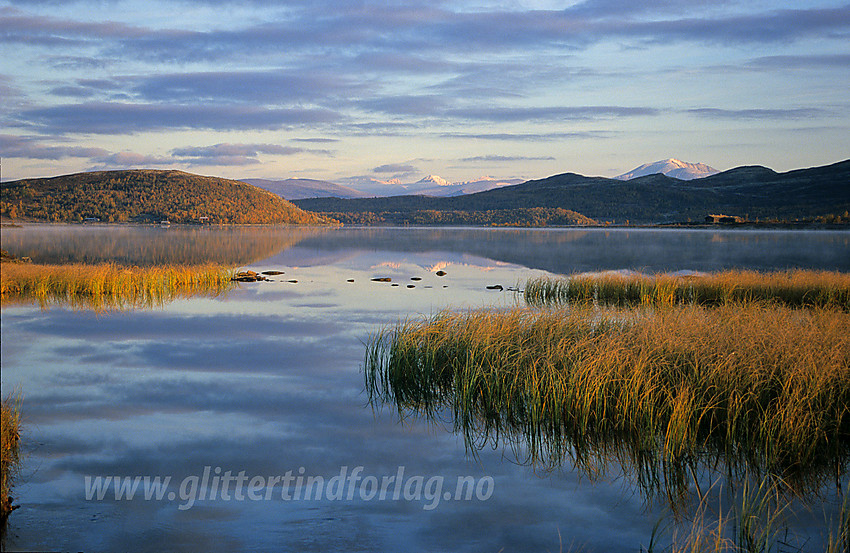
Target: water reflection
151, 245
267, 379
561, 251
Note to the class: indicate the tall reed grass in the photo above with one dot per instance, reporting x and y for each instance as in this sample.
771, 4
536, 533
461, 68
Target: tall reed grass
795, 288
109, 286
10, 438
757, 388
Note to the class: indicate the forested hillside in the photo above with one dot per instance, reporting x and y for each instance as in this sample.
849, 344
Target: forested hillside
146, 196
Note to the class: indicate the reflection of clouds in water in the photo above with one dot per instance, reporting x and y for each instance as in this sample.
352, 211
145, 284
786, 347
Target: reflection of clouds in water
267, 379
161, 394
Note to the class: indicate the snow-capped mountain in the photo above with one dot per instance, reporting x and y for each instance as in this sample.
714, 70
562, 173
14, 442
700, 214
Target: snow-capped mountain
674, 168
430, 181
432, 185
375, 187
467, 187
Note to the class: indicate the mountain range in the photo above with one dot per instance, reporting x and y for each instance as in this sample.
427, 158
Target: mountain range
298, 189
749, 192
432, 185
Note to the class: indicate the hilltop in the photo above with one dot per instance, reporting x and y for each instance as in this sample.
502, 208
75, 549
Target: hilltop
675, 168
750, 192
143, 195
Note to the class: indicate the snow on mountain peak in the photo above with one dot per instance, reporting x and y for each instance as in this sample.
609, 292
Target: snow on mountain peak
672, 167
434, 179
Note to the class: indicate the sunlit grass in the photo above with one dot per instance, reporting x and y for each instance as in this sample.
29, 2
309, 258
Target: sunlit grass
109, 286
795, 288
10, 437
754, 387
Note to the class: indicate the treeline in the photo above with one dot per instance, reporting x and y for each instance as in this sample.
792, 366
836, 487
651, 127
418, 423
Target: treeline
520, 217
147, 196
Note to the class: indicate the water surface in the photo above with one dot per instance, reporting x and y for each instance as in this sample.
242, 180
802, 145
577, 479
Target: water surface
267, 379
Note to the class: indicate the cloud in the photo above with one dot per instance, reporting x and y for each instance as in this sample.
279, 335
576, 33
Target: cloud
532, 137
759, 113
246, 86
399, 168
497, 158
767, 27
72, 91
122, 160
13, 146
235, 150
440, 106
575, 113
316, 140
122, 118
235, 154
814, 61
425, 105
19, 27
383, 128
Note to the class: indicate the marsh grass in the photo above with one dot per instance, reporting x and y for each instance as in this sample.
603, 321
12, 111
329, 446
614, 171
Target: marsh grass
109, 286
757, 520
794, 288
755, 388
10, 438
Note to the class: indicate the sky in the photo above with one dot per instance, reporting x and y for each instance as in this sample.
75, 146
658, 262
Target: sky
348, 90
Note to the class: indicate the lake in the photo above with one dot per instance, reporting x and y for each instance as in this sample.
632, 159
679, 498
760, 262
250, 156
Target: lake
252, 403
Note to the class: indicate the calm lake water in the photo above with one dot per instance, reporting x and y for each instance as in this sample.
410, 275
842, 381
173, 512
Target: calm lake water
266, 380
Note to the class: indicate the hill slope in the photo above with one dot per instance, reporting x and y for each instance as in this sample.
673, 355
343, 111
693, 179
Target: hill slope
753, 191
144, 196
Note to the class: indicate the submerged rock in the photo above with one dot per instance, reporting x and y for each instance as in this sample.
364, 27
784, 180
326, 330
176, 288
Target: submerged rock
382, 279
495, 287
441, 273
273, 272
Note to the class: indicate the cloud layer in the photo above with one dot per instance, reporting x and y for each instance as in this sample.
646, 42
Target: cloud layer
334, 70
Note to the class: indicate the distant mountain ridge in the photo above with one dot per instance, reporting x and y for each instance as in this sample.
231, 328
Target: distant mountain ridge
750, 191
363, 187
298, 189
673, 168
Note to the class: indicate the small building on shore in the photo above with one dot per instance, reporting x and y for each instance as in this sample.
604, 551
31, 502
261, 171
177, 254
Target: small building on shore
724, 219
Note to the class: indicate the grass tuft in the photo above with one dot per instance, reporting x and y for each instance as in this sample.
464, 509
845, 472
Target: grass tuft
794, 288
10, 438
109, 286
759, 388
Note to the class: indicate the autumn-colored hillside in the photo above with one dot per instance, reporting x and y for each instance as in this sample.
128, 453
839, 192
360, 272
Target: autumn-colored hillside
147, 196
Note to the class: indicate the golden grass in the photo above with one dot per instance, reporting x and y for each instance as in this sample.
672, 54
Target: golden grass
109, 286
758, 388
795, 288
10, 437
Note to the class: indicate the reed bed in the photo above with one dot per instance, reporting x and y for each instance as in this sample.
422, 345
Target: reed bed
794, 288
757, 388
10, 438
109, 286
